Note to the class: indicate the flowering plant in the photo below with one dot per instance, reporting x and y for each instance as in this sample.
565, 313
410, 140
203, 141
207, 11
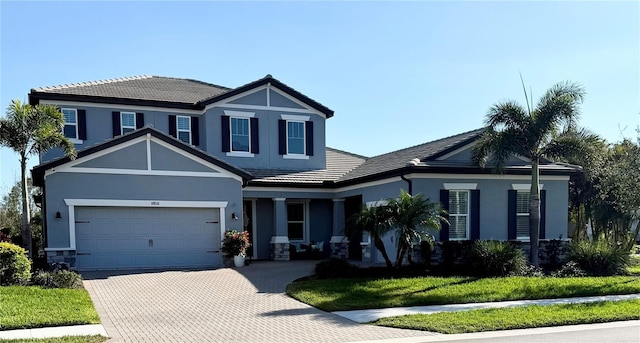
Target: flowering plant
235, 243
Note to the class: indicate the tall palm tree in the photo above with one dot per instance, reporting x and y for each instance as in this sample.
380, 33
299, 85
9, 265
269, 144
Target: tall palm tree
547, 131
30, 130
376, 220
411, 215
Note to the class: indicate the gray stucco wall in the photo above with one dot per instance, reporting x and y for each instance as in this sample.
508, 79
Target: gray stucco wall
165, 159
277, 100
131, 157
258, 98
268, 137
60, 186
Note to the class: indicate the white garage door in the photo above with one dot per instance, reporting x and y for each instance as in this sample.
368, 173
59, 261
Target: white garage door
134, 237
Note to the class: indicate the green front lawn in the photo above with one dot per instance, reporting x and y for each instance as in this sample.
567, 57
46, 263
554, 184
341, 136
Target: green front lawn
355, 294
32, 307
66, 339
517, 317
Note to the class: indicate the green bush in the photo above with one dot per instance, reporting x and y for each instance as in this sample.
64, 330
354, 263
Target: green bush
15, 266
495, 258
599, 256
59, 279
456, 256
569, 269
335, 268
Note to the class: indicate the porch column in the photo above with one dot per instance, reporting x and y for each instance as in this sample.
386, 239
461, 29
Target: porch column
339, 243
280, 240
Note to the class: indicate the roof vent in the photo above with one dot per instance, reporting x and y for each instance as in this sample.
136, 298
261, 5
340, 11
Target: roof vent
414, 162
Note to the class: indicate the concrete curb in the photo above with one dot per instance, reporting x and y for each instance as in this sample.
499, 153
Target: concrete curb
57, 331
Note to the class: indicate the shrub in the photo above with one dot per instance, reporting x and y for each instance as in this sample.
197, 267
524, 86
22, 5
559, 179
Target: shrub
15, 266
456, 256
59, 279
426, 250
599, 256
495, 258
569, 269
528, 270
335, 268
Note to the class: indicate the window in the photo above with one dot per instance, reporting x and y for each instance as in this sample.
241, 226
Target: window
240, 134
295, 138
458, 214
522, 215
70, 123
127, 122
295, 221
184, 128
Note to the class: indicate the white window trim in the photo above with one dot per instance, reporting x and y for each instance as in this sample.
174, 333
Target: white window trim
460, 186
122, 126
524, 186
305, 221
178, 129
304, 140
518, 214
75, 140
468, 216
239, 153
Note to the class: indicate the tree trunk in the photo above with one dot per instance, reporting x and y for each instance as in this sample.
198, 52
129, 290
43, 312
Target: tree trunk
534, 213
26, 211
379, 244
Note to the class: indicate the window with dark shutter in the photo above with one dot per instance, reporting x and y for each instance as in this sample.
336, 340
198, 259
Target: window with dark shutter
309, 137
543, 214
444, 200
172, 126
255, 137
226, 134
139, 120
282, 137
115, 123
511, 214
82, 125
475, 214
195, 131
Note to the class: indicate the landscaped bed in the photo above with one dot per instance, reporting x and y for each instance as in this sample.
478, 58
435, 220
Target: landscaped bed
517, 318
32, 307
355, 294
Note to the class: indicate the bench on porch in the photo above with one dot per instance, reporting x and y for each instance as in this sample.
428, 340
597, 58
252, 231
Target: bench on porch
303, 251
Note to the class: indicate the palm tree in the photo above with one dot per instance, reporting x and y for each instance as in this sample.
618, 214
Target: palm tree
376, 220
30, 130
410, 215
548, 131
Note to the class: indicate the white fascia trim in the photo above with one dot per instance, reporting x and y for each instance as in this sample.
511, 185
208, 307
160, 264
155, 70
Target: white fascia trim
292, 99
457, 151
294, 117
270, 108
280, 239
142, 172
286, 189
460, 186
145, 203
126, 107
240, 154
295, 157
524, 186
226, 102
486, 177
369, 184
239, 114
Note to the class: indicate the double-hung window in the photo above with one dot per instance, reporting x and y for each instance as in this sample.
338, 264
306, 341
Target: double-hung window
522, 215
458, 214
183, 126
295, 137
127, 122
240, 134
70, 123
296, 221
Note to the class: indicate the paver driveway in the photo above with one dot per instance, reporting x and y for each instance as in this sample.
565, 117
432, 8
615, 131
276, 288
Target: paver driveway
223, 305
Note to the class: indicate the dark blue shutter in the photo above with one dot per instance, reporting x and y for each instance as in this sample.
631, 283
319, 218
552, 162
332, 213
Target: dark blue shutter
195, 131
282, 137
82, 124
255, 137
475, 214
309, 137
543, 214
226, 134
173, 132
115, 123
139, 120
512, 221
444, 199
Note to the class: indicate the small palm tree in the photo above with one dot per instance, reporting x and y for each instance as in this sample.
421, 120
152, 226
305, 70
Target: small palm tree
412, 215
376, 220
30, 130
548, 131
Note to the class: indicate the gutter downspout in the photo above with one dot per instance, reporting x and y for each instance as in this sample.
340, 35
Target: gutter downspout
409, 183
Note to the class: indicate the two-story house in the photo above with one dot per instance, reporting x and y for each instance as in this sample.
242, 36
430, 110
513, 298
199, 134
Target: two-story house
166, 165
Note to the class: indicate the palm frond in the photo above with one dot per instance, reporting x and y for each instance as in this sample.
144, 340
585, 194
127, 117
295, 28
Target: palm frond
559, 107
570, 145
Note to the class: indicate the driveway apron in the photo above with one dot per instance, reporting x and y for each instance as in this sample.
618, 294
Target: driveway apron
223, 305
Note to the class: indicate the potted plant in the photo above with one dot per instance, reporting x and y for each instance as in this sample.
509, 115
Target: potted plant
235, 244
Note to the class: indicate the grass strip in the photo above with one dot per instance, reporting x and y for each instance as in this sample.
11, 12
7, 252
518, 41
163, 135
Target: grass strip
517, 318
356, 294
32, 307
65, 339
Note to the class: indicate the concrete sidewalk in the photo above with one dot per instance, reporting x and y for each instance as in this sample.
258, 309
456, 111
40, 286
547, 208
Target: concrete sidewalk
365, 316
58, 331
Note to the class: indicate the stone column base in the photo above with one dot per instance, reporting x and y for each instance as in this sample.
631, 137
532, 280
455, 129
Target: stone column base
366, 252
67, 257
339, 247
280, 248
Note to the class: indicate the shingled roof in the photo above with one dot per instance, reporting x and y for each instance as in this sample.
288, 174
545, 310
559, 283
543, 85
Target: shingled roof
400, 158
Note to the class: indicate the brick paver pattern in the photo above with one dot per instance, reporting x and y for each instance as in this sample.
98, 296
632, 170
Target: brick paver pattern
224, 305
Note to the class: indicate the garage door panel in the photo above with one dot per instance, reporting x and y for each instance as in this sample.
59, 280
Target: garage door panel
119, 237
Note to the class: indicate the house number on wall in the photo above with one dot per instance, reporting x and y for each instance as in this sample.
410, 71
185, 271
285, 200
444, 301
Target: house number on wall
155, 203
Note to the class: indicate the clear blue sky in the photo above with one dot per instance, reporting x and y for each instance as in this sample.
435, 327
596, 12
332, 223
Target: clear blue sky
396, 74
